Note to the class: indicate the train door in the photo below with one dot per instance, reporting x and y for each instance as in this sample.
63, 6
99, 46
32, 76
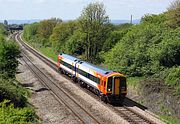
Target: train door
116, 87
73, 71
103, 86
77, 67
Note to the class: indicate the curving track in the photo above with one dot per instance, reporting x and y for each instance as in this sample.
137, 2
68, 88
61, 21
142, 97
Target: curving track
128, 114
61, 95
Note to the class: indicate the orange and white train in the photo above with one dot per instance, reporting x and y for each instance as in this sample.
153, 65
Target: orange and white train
109, 85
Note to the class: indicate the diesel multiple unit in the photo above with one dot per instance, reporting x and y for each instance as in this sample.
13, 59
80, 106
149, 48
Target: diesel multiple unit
109, 85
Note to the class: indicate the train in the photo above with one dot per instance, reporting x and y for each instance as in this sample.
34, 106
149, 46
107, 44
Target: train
109, 85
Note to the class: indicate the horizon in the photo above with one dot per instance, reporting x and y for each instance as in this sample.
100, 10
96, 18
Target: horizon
23, 21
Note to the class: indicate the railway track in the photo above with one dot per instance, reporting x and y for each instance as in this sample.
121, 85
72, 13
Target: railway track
128, 114
132, 116
60, 94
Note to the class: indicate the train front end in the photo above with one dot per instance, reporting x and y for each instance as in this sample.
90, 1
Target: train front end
116, 88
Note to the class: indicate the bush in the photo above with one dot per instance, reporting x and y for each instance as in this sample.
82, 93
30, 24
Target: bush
13, 92
167, 51
9, 52
11, 115
173, 77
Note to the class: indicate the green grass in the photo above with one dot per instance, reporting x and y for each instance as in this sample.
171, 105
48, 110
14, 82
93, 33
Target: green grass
177, 90
134, 81
49, 52
169, 119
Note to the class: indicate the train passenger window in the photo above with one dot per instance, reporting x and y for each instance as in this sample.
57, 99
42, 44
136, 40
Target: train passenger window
83, 73
98, 80
67, 65
91, 77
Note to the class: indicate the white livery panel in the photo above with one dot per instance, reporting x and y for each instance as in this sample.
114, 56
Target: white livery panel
91, 83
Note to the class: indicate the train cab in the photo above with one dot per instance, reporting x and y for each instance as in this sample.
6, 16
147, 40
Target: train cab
116, 88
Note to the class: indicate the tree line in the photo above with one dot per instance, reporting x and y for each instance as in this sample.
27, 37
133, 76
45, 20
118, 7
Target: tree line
86, 36
136, 50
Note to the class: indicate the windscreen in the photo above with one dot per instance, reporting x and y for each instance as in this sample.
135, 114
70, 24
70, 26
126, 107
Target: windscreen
109, 84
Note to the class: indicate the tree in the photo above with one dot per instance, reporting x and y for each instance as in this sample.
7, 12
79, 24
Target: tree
74, 44
30, 31
45, 29
61, 33
115, 36
94, 22
173, 14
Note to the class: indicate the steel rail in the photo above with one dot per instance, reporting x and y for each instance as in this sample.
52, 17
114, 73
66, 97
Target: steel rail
123, 111
83, 115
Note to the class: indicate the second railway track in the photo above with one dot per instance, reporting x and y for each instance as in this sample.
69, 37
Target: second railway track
130, 115
61, 95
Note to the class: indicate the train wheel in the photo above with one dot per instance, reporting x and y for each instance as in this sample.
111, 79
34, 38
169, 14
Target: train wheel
60, 70
103, 98
81, 83
74, 79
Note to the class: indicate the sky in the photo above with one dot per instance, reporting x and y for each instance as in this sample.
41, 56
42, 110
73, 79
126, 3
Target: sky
72, 9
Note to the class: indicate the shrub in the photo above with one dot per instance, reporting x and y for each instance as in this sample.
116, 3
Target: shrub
11, 115
13, 92
9, 53
173, 77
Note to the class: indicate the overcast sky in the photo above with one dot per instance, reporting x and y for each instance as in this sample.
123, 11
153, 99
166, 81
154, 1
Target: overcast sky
71, 9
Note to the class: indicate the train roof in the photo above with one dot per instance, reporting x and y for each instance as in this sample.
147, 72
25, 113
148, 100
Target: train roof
86, 64
68, 56
96, 68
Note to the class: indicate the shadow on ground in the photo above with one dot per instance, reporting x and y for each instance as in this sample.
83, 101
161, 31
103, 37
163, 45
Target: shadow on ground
129, 103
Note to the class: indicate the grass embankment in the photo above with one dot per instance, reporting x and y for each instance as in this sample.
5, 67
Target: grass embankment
159, 97
47, 51
134, 81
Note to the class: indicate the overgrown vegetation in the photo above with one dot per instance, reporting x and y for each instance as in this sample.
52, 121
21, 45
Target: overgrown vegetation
11, 115
13, 97
149, 50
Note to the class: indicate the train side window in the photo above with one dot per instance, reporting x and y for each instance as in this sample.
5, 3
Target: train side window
97, 80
